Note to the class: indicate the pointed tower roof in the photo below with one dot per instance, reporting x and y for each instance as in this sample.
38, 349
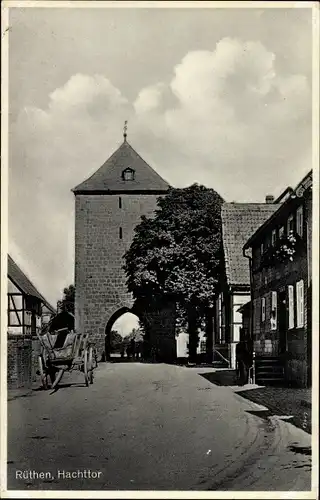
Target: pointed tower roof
124, 172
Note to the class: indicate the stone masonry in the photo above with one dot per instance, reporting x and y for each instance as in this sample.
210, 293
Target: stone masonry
99, 278
19, 368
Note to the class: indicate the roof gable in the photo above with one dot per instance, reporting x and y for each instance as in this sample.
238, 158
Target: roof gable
20, 280
109, 177
299, 191
239, 222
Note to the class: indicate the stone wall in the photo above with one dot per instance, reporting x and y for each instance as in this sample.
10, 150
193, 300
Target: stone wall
19, 369
103, 233
36, 351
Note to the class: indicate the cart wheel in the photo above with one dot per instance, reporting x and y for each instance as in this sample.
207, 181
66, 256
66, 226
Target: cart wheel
43, 375
90, 365
58, 378
85, 367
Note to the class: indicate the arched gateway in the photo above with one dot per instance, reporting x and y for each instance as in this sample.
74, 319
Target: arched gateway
108, 206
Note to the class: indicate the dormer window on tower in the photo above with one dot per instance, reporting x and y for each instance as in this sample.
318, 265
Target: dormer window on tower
128, 174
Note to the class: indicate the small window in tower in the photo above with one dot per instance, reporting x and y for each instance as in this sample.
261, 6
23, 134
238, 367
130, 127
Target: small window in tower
120, 233
120, 202
128, 174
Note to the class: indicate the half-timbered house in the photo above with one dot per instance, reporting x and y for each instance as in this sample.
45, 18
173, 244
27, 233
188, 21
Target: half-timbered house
28, 312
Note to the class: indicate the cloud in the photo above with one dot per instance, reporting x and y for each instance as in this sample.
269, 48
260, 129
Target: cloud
149, 98
226, 118
232, 99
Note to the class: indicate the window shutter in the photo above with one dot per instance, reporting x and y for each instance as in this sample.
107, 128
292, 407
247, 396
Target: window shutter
274, 311
291, 306
300, 304
299, 221
263, 309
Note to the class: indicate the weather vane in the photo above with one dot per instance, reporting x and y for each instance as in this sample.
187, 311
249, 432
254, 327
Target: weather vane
125, 128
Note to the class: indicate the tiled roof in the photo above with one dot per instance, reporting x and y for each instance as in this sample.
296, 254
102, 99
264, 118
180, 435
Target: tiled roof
24, 284
109, 176
239, 222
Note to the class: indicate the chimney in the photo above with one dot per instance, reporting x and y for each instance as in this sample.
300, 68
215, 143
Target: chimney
269, 198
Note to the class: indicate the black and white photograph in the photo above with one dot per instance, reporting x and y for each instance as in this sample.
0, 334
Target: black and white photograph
159, 249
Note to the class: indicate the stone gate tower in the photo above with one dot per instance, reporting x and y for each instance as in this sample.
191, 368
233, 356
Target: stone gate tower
108, 206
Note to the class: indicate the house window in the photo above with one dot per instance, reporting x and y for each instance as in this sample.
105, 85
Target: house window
290, 224
120, 233
120, 202
273, 237
38, 322
291, 306
281, 232
128, 174
263, 309
15, 310
273, 319
202, 346
261, 249
300, 303
299, 220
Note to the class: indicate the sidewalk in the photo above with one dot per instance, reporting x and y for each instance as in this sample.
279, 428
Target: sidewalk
282, 401
292, 403
23, 392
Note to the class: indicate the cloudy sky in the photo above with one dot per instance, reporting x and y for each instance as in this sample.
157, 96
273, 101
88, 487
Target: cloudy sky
216, 96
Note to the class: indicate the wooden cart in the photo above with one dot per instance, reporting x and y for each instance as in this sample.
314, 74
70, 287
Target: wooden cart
64, 350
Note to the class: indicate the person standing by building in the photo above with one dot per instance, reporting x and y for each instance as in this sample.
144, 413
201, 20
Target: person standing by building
243, 361
132, 348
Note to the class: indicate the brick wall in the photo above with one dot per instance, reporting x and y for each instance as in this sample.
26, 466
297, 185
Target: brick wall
100, 281
19, 372
36, 350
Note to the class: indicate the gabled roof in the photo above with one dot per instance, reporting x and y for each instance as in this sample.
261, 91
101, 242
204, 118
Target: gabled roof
245, 307
239, 222
21, 281
298, 191
109, 177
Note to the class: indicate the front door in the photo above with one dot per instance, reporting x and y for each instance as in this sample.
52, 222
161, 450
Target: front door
282, 322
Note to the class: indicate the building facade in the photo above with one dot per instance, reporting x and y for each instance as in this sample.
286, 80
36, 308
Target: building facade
239, 221
183, 346
281, 277
28, 313
108, 206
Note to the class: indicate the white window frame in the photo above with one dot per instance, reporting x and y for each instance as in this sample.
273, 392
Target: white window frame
263, 309
299, 220
300, 303
274, 307
273, 237
291, 307
281, 232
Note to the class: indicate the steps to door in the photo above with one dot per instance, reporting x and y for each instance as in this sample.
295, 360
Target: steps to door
269, 370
